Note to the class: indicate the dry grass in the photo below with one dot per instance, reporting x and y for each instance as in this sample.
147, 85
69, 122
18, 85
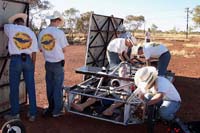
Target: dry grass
167, 44
169, 37
183, 53
191, 45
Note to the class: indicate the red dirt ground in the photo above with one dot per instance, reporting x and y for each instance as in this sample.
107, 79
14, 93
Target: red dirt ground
187, 82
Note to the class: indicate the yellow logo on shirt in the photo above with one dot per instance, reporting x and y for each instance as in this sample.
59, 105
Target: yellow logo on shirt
22, 40
48, 42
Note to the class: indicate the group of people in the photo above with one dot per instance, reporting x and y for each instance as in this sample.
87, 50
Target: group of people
23, 45
152, 86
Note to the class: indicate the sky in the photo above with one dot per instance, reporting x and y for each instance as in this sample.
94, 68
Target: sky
165, 14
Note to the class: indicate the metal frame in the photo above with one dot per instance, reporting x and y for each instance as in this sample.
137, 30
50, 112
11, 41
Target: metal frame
110, 32
95, 87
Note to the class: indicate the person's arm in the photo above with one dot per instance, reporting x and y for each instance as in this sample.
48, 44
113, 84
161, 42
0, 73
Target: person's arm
127, 58
63, 41
156, 98
64, 49
121, 57
148, 63
124, 56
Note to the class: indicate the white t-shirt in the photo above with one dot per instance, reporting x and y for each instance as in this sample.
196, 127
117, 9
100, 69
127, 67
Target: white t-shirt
51, 41
21, 39
153, 50
166, 87
117, 45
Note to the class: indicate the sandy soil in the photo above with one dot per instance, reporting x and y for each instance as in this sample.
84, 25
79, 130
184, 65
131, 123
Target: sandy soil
187, 82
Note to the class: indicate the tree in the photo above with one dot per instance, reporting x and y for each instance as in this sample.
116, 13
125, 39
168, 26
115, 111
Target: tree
36, 12
71, 16
174, 30
191, 28
196, 15
83, 22
154, 28
134, 22
40, 5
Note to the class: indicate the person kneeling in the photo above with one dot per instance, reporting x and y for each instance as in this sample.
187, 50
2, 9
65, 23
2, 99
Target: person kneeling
164, 92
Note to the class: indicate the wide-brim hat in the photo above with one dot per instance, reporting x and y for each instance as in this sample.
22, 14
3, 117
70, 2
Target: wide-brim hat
133, 40
144, 77
55, 16
16, 16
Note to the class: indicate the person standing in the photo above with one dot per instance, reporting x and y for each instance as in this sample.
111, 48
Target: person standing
148, 36
52, 43
22, 47
117, 51
123, 33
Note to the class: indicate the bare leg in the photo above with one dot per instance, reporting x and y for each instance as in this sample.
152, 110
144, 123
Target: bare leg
109, 110
82, 106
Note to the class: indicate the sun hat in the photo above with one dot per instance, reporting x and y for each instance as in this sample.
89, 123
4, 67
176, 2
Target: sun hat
16, 16
132, 40
145, 76
121, 28
56, 15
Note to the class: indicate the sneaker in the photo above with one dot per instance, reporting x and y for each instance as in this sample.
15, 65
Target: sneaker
58, 115
32, 118
11, 117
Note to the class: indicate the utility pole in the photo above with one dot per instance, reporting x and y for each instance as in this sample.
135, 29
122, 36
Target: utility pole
187, 27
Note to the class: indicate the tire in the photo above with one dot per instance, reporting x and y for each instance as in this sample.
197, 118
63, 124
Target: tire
13, 126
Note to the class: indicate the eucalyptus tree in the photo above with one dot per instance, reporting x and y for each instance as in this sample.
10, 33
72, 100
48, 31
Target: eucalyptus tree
37, 14
71, 16
154, 28
83, 22
196, 15
134, 22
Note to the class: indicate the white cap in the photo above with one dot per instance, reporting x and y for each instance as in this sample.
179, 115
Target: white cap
56, 15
